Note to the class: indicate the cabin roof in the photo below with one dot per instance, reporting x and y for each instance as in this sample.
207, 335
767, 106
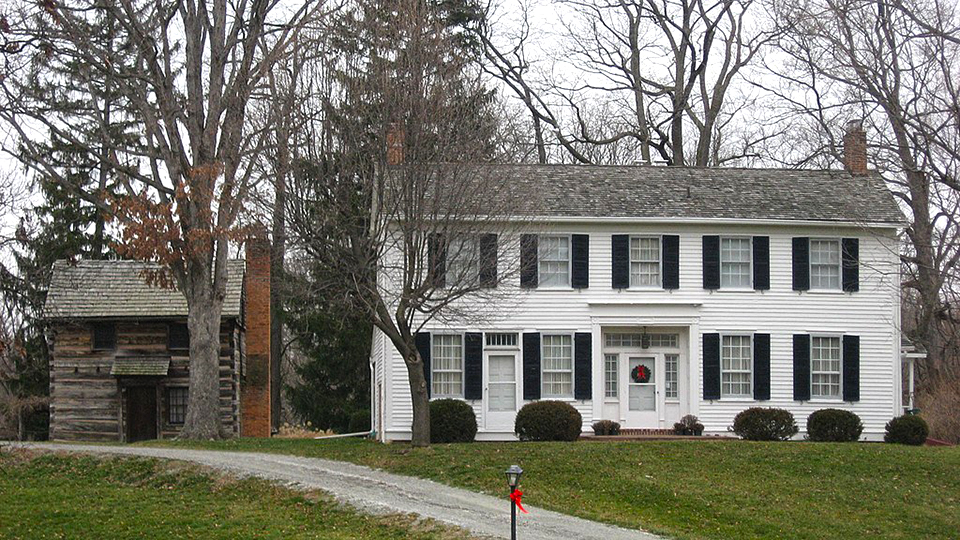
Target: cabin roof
118, 289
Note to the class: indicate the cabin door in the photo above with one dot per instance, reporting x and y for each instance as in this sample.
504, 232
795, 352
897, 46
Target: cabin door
141, 409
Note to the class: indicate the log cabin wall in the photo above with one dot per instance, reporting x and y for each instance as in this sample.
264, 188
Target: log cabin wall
87, 401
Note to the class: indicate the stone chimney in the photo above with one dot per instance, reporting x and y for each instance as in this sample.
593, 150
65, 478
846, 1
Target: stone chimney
394, 144
855, 148
255, 387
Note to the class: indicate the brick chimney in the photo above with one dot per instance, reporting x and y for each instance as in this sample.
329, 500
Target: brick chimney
255, 388
394, 144
855, 148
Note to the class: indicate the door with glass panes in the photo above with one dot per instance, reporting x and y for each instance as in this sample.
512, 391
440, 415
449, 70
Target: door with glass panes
642, 381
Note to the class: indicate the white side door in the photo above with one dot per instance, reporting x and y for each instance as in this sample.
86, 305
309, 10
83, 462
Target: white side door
501, 392
642, 402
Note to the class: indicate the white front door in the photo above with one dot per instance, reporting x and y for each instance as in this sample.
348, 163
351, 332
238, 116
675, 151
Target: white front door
643, 400
501, 390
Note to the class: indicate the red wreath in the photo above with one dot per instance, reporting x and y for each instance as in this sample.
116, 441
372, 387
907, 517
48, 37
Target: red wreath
640, 374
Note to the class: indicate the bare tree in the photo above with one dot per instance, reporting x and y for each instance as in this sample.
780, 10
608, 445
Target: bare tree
397, 213
893, 63
183, 74
664, 69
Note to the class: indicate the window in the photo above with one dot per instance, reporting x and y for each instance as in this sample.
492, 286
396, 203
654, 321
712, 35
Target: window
735, 257
177, 404
554, 257
462, 262
825, 367
641, 340
645, 261
736, 366
178, 337
611, 374
557, 362
825, 264
104, 336
447, 365
501, 340
671, 377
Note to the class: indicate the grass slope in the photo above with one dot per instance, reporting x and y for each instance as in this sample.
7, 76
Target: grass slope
708, 490
61, 496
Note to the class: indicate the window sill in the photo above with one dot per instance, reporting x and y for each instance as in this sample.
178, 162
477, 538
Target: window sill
738, 399
827, 291
735, 290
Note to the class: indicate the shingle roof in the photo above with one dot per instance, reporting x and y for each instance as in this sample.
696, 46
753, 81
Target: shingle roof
109, 289
701, 193
151, 366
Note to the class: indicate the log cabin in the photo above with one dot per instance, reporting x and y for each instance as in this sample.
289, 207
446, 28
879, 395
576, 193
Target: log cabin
121, 351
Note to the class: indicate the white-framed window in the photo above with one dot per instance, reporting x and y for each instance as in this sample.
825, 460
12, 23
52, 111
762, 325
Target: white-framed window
825, 367
462, 261
645, 261
556, 363
554, 261
736, 366
825, 264
636, 339
671, 376
611, 375
502, 339
736, 257
447, 365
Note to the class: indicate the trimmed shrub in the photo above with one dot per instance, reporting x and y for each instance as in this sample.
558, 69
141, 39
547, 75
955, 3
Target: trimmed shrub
606, 427
359, 421
688, 425
760, 424
834, 425
548, 421
452, 421
907, 429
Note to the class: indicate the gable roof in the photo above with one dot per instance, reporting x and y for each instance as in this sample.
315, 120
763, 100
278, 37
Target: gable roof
644, 191
114, 289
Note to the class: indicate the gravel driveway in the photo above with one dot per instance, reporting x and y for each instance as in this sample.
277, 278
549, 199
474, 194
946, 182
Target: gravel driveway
377, 492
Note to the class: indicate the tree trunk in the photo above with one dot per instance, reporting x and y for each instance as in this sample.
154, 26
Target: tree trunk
276, 302
203, 320
420, 435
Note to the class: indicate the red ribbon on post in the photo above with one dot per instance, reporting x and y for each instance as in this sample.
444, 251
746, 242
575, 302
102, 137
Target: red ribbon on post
515, 497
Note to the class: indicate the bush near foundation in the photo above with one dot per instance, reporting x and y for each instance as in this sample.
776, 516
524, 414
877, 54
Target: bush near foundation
761, 424
452, 421
548, 421
834, 425
907, 429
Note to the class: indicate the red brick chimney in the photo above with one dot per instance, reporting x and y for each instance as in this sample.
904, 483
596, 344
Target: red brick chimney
394, 144
855, 148
255, 388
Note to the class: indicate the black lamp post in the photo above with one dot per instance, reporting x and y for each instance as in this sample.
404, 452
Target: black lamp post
513, 480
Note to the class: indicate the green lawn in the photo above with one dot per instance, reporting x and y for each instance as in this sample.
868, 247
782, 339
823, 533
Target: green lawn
60, 496
690, 489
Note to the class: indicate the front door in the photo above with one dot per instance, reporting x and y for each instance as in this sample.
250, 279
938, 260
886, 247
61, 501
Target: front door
643, 395
501, 390
141, 411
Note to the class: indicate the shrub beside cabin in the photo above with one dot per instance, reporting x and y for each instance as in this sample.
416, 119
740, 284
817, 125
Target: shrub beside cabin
649, 293
120, 360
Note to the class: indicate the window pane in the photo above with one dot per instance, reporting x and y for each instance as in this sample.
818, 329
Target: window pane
176, 404
825, 264
557, 366
461, 262
447, 365
736, 366
611, 373
645, 261
554, 261
671, 375
825, 367
735, 260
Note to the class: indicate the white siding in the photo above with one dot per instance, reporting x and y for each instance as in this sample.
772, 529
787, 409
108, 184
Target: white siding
872, 313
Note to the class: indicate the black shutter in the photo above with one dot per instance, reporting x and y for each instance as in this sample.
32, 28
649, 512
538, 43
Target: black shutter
488, 261
582, 365
761, 263
531, 366
711, 366
711, 262
473, 365
620, 249
670, 250
801, 367
437, 260
528, 261
580, 248
851, 264
761, 367
422, 340
801, 264
851, 368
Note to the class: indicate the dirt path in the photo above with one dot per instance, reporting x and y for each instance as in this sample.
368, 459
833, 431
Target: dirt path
379, 492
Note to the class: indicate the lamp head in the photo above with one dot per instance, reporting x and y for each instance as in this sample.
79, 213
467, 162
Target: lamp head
513, 476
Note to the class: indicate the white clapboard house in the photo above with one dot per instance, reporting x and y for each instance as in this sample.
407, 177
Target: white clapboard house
733, 288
